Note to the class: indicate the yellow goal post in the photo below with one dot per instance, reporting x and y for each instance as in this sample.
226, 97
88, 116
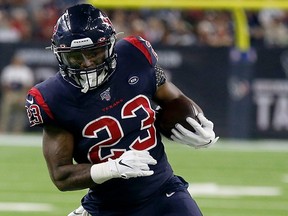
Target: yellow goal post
237, 8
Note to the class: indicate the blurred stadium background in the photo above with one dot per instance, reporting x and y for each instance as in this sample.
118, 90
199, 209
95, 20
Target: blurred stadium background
230, 56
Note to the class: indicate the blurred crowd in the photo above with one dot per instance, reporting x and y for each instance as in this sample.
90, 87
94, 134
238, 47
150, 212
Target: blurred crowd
32, 21
27, 20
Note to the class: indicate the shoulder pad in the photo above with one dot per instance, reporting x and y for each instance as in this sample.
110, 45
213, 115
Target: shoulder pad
145, 47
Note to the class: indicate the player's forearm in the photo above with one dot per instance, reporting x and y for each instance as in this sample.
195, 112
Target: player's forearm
72, 177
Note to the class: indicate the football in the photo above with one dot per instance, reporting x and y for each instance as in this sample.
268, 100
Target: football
176, 111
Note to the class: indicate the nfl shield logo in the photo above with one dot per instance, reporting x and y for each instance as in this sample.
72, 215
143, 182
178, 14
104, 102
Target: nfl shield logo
106, 95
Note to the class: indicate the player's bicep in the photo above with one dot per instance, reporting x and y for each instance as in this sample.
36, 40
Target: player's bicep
58, 147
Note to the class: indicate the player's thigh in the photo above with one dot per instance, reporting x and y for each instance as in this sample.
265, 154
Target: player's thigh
178, 203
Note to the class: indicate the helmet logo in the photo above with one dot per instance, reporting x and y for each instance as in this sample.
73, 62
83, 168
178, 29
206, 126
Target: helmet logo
106, 20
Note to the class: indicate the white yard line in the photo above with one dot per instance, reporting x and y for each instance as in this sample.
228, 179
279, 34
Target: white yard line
236, 205
213, 189
21, 140
252, 145
25, 207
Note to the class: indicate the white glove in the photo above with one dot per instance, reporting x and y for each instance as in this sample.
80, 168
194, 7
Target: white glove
203, 136
79, 212
130, 164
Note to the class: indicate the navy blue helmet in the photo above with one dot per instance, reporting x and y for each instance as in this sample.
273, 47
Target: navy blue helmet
83, 42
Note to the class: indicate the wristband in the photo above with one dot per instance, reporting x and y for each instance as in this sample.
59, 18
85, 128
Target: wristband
102, 172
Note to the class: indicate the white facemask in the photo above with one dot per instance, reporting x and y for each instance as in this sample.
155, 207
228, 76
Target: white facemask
91, 80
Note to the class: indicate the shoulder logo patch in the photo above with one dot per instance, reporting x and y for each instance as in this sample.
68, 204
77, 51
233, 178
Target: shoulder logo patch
133, 80
106, 95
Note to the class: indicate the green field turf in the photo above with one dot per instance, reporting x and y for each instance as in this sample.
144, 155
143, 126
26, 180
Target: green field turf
229, 179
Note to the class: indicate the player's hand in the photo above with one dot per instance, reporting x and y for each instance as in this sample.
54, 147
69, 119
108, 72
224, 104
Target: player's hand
132, 164
203, 136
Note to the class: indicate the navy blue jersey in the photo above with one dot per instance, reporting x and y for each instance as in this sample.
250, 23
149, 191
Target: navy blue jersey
116, 117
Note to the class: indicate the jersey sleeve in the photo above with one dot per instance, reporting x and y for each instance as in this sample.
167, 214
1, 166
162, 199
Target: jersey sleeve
145, 47
38, 111
160, 76
147, 50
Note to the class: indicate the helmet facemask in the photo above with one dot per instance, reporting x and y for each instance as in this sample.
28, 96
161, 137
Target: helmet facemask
89, 66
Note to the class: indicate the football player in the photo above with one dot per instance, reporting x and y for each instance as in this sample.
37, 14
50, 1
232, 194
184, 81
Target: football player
98, 119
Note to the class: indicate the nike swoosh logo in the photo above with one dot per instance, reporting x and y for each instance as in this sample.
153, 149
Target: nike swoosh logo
170, 194
30, 101
123, 164
77, 213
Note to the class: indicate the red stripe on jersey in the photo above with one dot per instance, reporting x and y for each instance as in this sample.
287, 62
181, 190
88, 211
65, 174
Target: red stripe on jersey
38, 97
133, 40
